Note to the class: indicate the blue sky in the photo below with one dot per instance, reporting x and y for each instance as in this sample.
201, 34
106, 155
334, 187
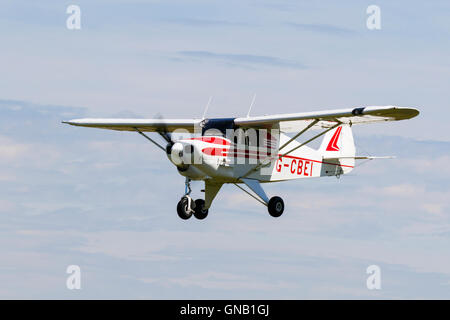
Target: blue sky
106, 200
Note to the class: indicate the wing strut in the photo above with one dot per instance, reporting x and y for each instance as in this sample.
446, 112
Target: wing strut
309, 140
251, 195
299, 134
150, 139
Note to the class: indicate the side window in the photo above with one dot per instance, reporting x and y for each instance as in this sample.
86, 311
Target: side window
257, 139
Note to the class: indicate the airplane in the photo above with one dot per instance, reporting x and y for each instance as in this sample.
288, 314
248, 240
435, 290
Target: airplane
253, 150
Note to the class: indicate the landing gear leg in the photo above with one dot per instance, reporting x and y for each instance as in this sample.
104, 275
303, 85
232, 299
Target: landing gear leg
275, 205
187, 187
186, 206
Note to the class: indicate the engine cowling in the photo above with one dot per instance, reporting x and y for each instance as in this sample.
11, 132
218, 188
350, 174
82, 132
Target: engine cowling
191, 172
176, 154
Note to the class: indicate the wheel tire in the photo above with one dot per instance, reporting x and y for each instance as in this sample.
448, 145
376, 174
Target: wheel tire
275, 207
199, 211
182, 209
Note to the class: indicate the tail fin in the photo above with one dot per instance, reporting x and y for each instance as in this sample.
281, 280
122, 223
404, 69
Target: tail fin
338, 150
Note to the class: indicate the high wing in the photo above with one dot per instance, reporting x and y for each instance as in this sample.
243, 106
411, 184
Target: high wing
146, 125
294, 122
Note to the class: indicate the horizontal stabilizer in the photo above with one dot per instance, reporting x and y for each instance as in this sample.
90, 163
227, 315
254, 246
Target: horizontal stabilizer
361, 158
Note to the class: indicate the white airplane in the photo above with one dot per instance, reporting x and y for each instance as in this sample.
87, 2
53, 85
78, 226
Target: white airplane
255, 150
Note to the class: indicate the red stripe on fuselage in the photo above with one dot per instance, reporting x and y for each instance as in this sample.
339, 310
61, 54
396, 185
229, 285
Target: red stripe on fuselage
224, 152
212, 140
318, 161
234, 153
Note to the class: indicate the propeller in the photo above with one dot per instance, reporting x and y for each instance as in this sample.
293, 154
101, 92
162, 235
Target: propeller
165, 134
177, 157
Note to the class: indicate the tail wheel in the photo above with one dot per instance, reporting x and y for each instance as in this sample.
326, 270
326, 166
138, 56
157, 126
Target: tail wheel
183, 209
275, 207
199, 211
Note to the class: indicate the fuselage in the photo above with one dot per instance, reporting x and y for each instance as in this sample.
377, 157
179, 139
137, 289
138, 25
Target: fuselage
223, 160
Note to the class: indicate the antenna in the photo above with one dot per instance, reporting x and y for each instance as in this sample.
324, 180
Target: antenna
207, 106
251, 105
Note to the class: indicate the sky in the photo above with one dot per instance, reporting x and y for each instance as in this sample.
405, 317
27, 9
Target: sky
105, 200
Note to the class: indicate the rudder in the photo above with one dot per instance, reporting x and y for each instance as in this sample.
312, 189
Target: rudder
338, 151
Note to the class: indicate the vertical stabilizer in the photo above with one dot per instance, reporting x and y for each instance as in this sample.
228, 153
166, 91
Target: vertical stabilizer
338, 151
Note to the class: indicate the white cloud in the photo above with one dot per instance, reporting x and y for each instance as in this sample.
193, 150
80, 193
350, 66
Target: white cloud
29, 154
425, 229
429, 165
11, 150
7, 206
434, 208
403, 190
221, 280
7, 176
127, 245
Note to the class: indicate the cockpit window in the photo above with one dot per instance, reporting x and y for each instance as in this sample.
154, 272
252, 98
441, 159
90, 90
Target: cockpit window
217, 127
213, 132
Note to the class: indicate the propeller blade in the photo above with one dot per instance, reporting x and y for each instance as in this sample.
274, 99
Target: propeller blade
164, 132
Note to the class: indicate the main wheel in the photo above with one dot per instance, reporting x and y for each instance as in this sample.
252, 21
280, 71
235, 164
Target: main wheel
200, 212
275, 207
182, 209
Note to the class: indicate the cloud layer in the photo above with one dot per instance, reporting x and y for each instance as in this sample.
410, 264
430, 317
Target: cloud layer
106, 202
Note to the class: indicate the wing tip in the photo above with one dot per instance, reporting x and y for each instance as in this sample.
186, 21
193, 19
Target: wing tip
394, 112
411, 112
71, 122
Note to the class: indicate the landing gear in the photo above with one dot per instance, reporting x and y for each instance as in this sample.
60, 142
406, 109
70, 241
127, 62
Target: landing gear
199, 211
187, 206
275, 207
184, 208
